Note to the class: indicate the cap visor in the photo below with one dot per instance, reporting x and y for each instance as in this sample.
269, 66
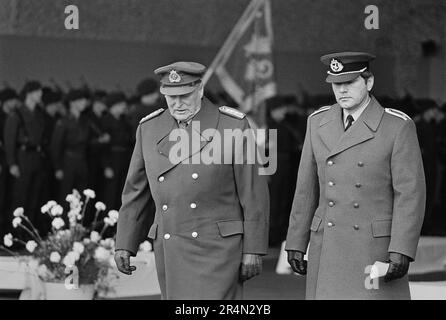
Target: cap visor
176, 90
342, 78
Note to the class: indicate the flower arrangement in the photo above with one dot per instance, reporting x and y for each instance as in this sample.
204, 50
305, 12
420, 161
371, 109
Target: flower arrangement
70, 245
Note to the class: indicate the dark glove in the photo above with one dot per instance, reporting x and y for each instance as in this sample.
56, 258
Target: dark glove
251, 266
297, 262
122, 259
399, 265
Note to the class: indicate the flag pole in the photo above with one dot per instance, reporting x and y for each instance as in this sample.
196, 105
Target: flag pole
235, 35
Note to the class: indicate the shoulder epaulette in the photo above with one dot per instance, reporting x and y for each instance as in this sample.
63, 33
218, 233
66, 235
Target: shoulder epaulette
320, 110
232, 112
152, 115
397, 113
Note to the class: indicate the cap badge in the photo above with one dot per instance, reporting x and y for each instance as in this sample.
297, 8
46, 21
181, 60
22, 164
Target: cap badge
336, 66
174, 76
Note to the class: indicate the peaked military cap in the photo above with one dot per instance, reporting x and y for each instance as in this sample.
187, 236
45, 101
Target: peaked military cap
8, 94
346, 66
30, 86
180, 77
76, 94
114, 98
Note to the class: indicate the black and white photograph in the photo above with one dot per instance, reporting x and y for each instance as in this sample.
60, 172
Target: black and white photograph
238, 151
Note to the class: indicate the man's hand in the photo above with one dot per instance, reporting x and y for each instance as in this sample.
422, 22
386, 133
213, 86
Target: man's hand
14, 171
108, 173
399, 265
297, 262
59, 174
122, 259
251, 266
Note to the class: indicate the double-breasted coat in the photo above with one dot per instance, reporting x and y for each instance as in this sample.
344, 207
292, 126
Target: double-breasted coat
360, 194
207, 215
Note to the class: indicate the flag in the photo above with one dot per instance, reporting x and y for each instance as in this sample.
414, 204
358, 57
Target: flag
244, 64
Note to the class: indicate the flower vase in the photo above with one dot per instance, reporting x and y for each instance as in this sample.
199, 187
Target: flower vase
58, 291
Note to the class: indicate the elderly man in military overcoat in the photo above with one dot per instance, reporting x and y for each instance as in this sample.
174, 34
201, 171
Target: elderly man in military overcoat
211, 222
360, 193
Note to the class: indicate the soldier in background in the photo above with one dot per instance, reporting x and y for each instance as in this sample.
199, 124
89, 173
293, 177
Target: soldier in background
118, 151
69, 144
24, 145
149, 101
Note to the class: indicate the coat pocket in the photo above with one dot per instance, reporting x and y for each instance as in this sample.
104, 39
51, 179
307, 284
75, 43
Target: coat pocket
315, 223
153, 231
382, 227
229, 228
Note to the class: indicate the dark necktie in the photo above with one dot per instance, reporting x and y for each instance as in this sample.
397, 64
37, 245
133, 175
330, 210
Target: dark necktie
349, 122
182, 125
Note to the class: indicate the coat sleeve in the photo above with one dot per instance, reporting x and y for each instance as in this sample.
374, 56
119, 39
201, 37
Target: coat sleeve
305, 198
134, 222
409, 188
252, 191
10, 135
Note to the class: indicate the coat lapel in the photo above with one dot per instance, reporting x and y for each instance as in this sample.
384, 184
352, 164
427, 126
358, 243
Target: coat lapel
331, 128
363, 128
206, 118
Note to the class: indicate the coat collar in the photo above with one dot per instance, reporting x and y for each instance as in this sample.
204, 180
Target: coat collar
331, 128
206, 118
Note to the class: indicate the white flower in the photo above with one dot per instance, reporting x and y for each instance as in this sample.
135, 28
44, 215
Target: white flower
42, 271
45, 208
114, 215
100, 206
18, 212
7, 240
71, 198
95, 236
58, 223
86, 241
31, 246
102, 254
51, 203
16, 221
108, 243
78, 247
55, 257
109, 221
89, 193
71, 258
145, 246
56, 210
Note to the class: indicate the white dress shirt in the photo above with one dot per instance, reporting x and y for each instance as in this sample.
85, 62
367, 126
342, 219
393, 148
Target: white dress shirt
357, 113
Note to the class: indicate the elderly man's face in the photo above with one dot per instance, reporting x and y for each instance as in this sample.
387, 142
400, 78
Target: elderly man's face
183, 107
351, 94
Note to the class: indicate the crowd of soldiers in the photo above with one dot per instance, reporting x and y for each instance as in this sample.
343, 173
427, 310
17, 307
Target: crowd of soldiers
54, 140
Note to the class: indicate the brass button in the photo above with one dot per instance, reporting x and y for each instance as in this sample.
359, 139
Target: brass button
358, 185
360, 164
194, 234
161, 179
356, 205
165, 207
331, 203
330, 163
330, 224
195, 176
356, 227
193, 205
167, 236
331, 183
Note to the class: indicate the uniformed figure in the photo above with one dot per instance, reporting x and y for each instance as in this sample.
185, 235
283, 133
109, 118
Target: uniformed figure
360, 193
211, 221
8, 103
118, 151
24, 145
69, 145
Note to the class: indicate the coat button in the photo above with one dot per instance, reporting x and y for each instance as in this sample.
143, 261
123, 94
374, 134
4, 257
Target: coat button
331, 203
330, 163
356, 227
193, 205
194, 234
356, 205
165, 207
167, 236
331, 183
195, 176
360, 164
161, 179
330, 224
358, 185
